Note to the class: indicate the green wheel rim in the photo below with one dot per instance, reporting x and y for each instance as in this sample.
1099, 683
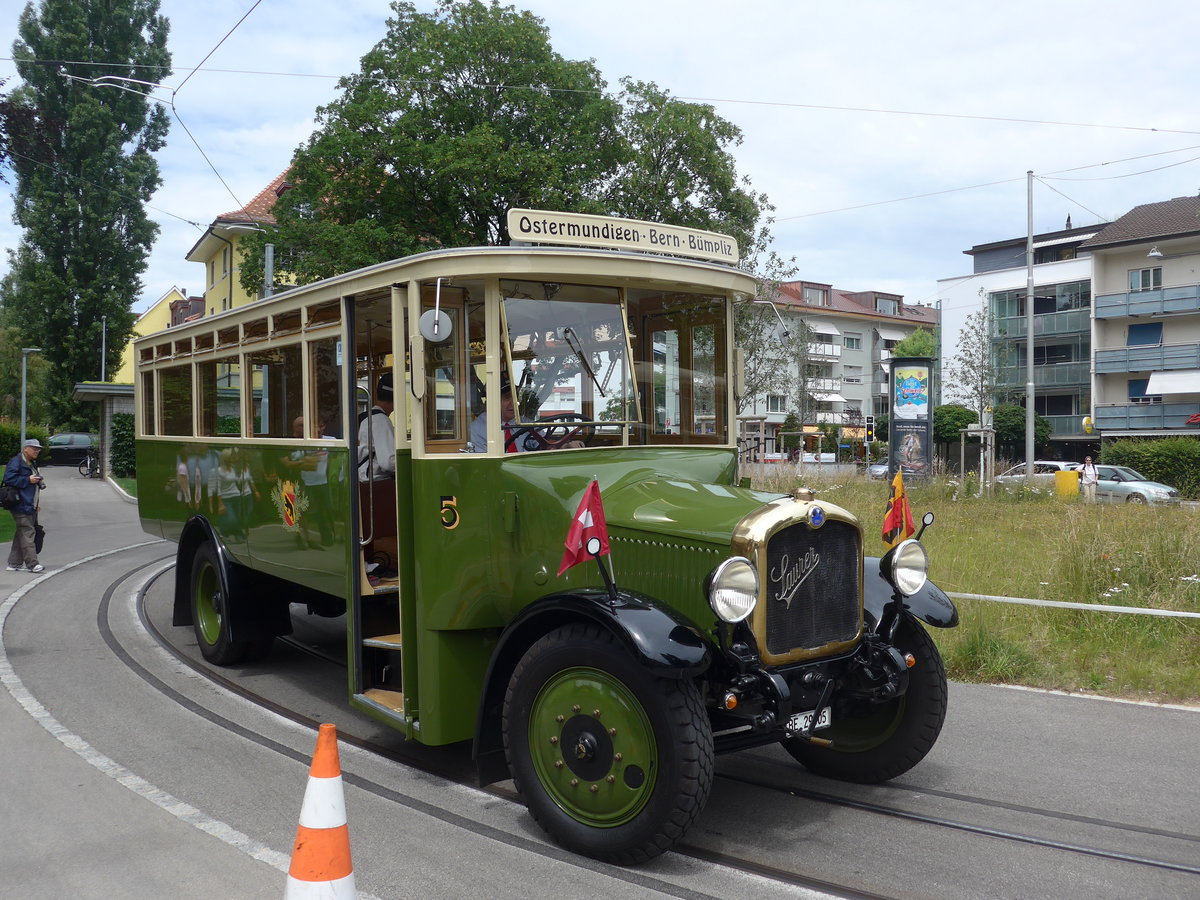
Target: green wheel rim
593, 747
208, 600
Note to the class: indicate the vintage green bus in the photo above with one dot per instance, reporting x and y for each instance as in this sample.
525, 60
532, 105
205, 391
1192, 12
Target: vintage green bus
734, 617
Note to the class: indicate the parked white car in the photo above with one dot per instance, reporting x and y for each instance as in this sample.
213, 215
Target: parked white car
1043, 472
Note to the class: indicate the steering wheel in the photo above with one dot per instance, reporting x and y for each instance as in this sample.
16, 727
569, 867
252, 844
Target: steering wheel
553, 432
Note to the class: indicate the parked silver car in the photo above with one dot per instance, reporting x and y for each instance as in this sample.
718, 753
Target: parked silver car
1121, 484
878, 469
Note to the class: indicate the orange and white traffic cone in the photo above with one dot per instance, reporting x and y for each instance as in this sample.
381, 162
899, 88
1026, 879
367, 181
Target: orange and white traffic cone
321, 855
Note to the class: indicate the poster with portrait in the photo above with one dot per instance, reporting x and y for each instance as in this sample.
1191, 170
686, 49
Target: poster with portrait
911, 422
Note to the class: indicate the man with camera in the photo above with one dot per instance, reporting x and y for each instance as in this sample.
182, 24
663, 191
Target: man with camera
22, 473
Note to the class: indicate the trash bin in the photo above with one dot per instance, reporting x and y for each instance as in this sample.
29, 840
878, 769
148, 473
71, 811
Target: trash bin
1066, 484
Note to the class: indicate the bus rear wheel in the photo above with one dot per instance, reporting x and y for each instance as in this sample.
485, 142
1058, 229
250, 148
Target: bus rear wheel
612, 762
210, 614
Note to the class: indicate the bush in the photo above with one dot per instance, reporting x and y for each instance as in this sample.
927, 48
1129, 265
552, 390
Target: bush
123, 454
10, 437
1174, 461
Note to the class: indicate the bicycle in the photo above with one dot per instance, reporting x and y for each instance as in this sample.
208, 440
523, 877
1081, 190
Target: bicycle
89, 466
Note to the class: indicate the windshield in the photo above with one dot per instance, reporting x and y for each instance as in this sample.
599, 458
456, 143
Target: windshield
569, 351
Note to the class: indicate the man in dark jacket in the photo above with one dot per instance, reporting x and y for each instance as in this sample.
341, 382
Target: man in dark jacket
22, 473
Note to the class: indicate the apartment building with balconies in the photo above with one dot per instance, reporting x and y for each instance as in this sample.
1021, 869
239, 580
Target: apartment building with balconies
851, 336
1146, 321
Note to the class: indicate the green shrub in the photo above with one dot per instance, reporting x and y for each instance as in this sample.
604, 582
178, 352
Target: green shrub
1174, 461
123, 455
10, 437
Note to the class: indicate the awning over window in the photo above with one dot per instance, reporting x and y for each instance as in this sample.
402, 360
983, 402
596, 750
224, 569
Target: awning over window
823, 327
1186, 381
891, 334
1064, 240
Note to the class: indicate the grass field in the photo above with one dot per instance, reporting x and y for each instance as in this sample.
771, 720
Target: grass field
1031, 544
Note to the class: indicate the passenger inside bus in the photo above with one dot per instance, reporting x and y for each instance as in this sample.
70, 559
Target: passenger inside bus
376, 440
517, 438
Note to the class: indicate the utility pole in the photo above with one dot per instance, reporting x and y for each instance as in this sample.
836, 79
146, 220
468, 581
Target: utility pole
1029, 413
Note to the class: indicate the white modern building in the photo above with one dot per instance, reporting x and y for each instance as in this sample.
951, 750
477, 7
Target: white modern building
1062, 272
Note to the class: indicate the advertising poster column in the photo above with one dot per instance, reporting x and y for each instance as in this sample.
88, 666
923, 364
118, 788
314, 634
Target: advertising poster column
910, 426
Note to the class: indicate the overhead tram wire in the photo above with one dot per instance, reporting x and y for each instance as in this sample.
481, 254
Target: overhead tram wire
1017, 120
972, 187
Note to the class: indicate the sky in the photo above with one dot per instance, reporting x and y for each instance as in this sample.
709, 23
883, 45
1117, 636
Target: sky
889, 137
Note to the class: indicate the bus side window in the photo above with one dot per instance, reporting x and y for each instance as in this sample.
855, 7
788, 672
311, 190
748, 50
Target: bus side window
275, 389
175, 400
325, 390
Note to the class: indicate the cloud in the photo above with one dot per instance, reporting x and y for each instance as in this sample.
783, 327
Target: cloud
767, 67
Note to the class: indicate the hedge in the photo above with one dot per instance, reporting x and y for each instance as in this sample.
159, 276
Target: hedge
123, 453
10, 437
1173, 461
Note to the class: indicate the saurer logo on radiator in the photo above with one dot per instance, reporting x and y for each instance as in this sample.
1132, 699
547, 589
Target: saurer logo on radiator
788, 576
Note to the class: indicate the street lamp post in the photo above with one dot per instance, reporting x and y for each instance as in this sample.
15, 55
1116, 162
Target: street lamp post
25, 351
103, 343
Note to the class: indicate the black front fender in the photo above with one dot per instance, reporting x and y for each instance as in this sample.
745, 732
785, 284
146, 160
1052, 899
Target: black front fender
665, 643
930, 604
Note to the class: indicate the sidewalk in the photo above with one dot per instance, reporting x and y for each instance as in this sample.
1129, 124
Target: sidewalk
70, 827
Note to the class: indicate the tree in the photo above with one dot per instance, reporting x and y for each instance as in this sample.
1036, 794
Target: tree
461, 114
971, 375
921, 344
81, 154
948, 421
1009, 421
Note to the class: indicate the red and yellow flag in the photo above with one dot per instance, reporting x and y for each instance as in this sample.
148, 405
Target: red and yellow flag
588, 523
897, 520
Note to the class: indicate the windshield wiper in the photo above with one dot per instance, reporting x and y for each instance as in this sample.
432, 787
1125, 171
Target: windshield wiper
576, 346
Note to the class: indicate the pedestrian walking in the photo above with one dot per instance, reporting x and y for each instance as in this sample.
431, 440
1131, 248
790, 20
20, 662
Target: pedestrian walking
22, 473
1088, 476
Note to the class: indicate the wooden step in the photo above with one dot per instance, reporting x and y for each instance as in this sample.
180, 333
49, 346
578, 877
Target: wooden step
389, 700
383, 641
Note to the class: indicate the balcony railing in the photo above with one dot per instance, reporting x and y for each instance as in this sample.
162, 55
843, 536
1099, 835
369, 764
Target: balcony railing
1072, 374
1185, 298
1144, 358
824, 351
1142, 416
1065, 426
1071, 321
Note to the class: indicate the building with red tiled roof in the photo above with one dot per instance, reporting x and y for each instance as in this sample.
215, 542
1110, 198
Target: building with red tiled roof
217, 250
852, 336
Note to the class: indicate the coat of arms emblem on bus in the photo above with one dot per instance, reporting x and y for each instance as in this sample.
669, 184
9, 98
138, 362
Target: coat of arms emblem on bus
290, 503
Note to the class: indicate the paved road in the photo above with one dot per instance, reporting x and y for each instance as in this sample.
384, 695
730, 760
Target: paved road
127, 775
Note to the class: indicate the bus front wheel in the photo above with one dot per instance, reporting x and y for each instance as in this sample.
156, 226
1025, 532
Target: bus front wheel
612, 762
210, 614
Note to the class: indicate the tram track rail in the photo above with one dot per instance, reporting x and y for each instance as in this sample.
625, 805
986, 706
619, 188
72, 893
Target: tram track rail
688, 849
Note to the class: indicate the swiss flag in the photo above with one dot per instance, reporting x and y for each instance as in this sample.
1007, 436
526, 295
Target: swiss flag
588, 523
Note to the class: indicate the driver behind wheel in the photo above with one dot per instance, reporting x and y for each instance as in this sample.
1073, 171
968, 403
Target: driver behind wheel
510, 424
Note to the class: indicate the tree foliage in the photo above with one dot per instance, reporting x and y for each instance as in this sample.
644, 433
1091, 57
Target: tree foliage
1009, 421
948, 421
971, 375
920, 344
461, 114
81, 154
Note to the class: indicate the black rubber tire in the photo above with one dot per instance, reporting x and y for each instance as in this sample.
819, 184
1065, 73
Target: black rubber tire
671, 712
890, 738
210, 619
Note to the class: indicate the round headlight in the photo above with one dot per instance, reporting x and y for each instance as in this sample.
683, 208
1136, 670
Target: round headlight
733, 589
909, 567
